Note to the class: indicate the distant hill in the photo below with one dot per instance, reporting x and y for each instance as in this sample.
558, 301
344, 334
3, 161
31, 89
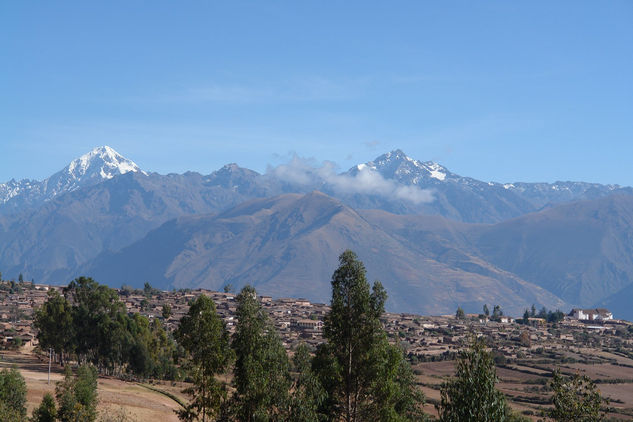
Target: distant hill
620, 303
582, 252
288, 246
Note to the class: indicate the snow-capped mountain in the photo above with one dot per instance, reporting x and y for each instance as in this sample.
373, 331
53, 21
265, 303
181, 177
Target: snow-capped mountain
453, 196
102, 163
543, 194
465, 194
404, 169
98, 165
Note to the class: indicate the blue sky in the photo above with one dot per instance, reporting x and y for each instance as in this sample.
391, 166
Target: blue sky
504, 91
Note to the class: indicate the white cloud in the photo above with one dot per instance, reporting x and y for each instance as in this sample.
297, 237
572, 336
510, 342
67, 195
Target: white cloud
307, 172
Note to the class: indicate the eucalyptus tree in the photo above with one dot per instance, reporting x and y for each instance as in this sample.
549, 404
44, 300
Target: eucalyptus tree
366, 378
99, 321
204, 337
54, 323
472, 396
261, 373
308, 393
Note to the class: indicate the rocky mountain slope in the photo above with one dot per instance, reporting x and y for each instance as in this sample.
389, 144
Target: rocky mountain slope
582, 251
288, 246
571, 255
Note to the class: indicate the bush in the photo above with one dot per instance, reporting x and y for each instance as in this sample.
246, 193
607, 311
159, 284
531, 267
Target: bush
12, 394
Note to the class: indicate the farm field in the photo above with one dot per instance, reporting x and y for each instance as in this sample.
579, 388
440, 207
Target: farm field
525, 383
115, 397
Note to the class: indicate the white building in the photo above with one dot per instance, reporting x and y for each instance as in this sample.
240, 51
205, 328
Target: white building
598, 314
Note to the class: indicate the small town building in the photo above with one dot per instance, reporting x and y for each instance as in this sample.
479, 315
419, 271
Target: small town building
309, 324
597, 314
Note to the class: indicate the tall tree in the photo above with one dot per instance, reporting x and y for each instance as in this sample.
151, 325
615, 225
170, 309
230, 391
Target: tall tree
497, 312
459, 313
395, 396
204, 337
308, 393
575, 399
472, 395
99, 319
54, 322
357, 362
261, 375
139, 356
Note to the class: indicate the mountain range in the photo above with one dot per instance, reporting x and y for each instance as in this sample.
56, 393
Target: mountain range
435, 239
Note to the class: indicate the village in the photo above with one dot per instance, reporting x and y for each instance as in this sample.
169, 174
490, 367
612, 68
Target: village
525, 350
297, 320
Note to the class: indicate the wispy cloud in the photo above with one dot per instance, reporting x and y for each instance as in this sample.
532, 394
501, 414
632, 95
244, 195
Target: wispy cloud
307, 172
371, 145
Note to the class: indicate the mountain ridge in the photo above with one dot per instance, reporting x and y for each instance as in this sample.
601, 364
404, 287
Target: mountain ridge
471, 234
454, 196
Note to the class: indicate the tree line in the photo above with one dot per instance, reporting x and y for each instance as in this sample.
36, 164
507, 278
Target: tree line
90, 324
356, 375
545, 314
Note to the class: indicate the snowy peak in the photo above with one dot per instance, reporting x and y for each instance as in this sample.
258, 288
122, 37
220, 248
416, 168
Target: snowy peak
102, 162
398, 165
98, 165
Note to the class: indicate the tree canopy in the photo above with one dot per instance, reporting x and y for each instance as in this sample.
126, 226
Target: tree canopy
91, 323
472, 396
12, 395
575, 399
204, 337
77, 395
261, 373
363, 374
